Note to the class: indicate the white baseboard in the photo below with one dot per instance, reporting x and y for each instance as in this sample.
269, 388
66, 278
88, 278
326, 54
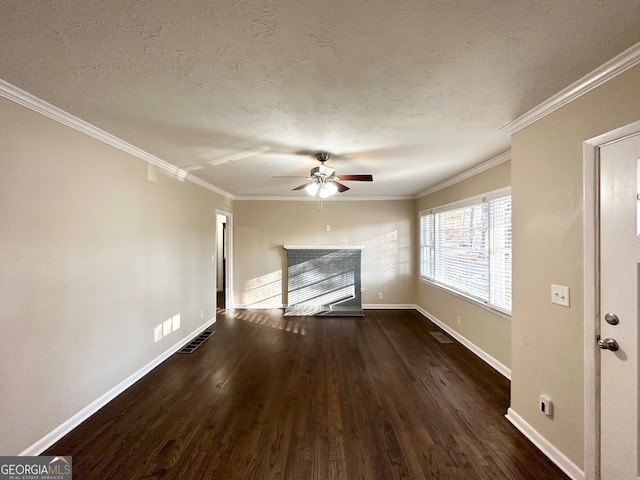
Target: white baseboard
66, 427
388, 306
500, 367
546, 447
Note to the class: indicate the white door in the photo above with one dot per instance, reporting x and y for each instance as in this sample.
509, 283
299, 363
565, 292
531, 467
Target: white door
619, 285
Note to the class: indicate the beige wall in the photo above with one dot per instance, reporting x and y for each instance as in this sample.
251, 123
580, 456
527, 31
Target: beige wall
547, 339
93, 256
384, 228
489, 331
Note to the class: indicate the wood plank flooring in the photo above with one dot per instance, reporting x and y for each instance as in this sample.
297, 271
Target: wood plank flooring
273, 397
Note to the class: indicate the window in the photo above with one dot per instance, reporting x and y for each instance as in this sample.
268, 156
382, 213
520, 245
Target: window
467, 248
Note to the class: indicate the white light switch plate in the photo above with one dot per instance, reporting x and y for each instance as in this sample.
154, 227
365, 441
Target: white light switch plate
560, 295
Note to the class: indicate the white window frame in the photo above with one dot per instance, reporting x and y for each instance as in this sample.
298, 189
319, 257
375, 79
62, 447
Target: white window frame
428, 245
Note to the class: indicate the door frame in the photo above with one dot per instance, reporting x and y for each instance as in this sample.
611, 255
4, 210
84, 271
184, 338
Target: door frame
591, 252
228, 269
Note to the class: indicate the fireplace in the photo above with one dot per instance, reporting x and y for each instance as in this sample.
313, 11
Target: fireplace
323, 280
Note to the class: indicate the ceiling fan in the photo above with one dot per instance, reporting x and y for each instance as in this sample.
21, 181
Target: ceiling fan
323, 181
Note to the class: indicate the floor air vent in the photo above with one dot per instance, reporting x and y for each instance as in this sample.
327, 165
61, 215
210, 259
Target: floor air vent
441, 337
195, 343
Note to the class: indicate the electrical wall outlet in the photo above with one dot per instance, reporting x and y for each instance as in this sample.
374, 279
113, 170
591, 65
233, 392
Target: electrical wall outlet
458, 319
380, 295
545, 405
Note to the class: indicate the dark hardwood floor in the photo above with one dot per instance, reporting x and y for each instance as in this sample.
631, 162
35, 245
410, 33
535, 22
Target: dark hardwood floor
273, 397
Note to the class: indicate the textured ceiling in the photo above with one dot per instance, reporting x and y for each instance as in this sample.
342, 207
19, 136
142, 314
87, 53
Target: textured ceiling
412, 91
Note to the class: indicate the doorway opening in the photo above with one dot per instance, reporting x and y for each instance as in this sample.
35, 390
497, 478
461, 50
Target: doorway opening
224, 291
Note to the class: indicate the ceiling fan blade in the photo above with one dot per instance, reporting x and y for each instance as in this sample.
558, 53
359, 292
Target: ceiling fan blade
304, 185
359, 178
341, 187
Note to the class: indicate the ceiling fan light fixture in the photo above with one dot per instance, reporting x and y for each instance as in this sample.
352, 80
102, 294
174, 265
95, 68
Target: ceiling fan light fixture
328, 189
312, 189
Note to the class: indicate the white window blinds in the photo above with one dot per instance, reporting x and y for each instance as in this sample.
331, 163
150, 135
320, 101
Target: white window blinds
426, 246
468, 249
461, 250
500, 253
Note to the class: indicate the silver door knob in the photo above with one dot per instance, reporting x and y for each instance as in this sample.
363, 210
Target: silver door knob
608, 344
612, 319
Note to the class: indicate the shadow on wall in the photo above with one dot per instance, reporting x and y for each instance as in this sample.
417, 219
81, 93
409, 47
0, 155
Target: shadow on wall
379, 260
264, 291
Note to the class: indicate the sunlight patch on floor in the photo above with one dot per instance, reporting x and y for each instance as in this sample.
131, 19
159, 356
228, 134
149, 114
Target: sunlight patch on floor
284, 324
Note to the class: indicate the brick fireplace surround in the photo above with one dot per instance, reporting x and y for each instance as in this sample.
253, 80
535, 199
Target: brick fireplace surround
323, 280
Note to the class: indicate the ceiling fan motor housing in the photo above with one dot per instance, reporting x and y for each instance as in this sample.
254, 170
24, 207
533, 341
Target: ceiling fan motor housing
322, 156
322, 171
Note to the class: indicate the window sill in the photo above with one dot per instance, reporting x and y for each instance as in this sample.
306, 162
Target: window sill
471, 300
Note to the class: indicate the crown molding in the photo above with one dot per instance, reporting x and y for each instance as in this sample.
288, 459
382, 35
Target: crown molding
495, 161
614, 67
208, 186
21, 97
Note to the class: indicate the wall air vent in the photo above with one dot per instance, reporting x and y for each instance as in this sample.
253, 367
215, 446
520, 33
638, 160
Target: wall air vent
195, 343
441, 337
